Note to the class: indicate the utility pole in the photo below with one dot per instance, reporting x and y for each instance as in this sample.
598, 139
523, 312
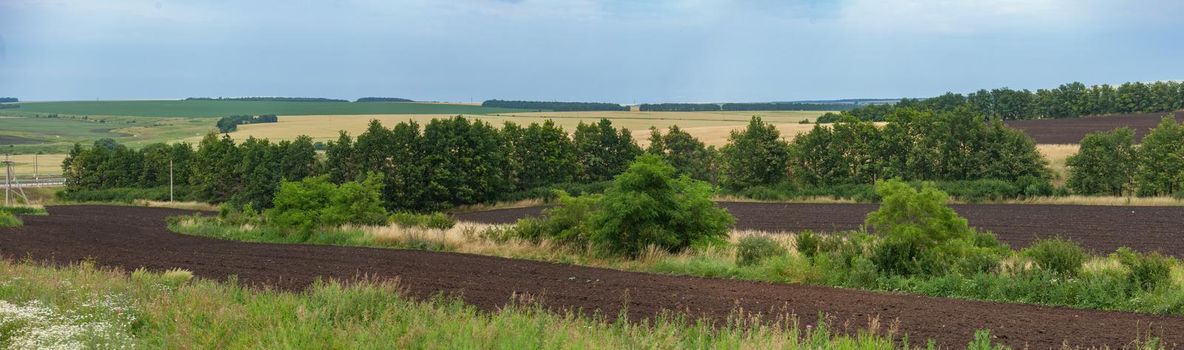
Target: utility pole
170, 179
7, 180
36, 174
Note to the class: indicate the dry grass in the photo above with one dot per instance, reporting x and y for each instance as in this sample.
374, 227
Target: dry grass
1056, 156
525, 203
1099, 200
47, 165
177, 205
804, 200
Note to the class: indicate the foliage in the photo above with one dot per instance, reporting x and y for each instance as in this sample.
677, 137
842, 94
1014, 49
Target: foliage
1066, 101
1161, 160
752, 250
463, 161
917, 145
556, 106
1057, 255
756, 156
807, 243
440, 221
687, 154
602, 150
8, 219
566, 222
648, 206
923, 236
1105, 163
1147, 271
540, 155
231, 123
315, 202
383, 99
128, 194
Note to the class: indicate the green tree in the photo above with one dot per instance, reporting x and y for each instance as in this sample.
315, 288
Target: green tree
1105, 163
687, 154
340, 162
298, 158
603, 151
216, 169
1161, 160
464, 161
260, 173
756, 156
648, 206
546, 155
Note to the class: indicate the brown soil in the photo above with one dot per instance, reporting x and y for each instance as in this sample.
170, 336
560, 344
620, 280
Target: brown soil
133, 237
1101, 229
1071, 130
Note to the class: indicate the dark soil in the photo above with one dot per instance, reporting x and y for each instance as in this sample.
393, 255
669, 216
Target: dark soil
1101, 229
1071, 130
133, 237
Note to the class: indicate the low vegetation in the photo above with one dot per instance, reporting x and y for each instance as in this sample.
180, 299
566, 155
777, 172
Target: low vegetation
231, 123
650, 220
84, 306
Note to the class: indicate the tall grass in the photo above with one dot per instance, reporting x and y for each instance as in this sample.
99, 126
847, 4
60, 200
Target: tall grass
87, 307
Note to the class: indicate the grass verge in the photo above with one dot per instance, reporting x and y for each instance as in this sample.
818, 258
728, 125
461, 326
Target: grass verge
83, 306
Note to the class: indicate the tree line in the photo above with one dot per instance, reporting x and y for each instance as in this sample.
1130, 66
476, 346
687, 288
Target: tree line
383, 99
231, 123
1110, 163
750, 106
8, 99
1065, 101
267, 99
556, 106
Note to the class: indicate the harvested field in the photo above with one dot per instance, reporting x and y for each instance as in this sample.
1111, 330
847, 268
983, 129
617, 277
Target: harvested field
1101, 229
1071, 130
133, 237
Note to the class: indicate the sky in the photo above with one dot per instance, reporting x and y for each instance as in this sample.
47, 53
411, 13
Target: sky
582, 50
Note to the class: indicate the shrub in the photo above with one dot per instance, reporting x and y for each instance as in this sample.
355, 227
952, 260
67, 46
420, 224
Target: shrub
1147, 271
1058, 255
439, 221
921, 235
752, 250
316, 202
646, 205
9, 220
807, 243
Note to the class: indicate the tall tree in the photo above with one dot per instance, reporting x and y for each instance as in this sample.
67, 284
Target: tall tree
756, 156
1105, 163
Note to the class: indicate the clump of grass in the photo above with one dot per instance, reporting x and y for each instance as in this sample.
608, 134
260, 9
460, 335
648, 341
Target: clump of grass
9, 220
24, 210
440, 221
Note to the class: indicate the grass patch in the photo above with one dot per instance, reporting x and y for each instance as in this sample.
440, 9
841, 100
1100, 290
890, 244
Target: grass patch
87, 307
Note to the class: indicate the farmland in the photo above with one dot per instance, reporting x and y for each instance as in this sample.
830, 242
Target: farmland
119, 238
710, 127
216, 108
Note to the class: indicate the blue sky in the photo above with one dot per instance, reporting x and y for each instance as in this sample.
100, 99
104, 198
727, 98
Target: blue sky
614, 51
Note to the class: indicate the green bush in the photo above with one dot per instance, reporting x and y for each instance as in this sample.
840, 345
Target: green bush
9, 220
920, 233
647, 206
316, 202
752, 250
1057, 255
807, 243
440, 221
566, 222
22, 210
1147, 271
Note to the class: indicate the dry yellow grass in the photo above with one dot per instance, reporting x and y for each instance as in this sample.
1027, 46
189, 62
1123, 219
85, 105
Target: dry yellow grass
1056, 156
711, 127
47, 165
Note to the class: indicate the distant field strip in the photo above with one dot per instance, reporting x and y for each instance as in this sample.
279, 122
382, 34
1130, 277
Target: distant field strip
711, 128
207, 108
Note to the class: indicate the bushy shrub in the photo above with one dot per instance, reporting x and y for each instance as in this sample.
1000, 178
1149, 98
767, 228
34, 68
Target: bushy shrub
9, 220
807, 243
316, 202
752, 250
1058, 255
23, 210
439, 221
1147, 271
566, 222
647, 206
919, 233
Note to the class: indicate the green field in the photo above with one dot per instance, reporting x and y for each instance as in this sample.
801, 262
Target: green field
206, 108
